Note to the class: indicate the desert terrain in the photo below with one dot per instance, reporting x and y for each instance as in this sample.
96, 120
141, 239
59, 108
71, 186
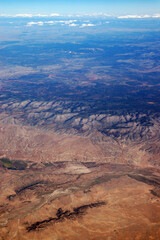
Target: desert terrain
77, 187
79, 129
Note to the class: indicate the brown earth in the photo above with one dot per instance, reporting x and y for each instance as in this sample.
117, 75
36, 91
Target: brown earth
106, 202
77, 187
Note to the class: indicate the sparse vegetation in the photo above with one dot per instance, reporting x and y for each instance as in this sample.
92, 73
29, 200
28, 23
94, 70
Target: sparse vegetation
48, 164
6, 162
14, 164
62, 215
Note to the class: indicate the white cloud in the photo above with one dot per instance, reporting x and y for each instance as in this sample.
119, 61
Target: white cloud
147, 16
54, 14
29, 24
24, 15
28, 15
73, 25
87, 25
40, 23
156, 15
129, 16
67, 21
40, 15
134, 16
70, 23
95, 14
50, 22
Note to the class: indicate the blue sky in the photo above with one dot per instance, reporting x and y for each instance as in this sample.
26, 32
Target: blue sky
114, 7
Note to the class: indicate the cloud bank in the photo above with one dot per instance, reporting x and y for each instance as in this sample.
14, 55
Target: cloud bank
139, 16
28, 15
87, 25
104, 15
70, 23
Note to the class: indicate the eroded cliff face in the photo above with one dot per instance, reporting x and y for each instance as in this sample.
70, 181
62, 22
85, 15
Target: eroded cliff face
82, 118
125, 140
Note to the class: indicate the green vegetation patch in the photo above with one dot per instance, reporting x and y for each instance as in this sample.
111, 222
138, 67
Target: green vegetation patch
6, 162
14, 164
48, 164
19, 165
33, 165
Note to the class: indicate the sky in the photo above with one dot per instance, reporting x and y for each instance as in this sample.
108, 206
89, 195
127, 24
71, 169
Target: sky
65, 7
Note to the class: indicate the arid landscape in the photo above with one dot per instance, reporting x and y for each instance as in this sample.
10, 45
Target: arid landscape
80, 131
79, 199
